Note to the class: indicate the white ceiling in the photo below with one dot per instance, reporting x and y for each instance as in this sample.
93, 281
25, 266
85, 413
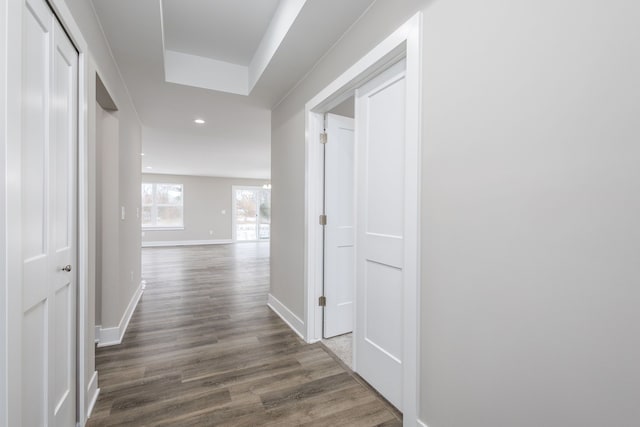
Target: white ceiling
276, 42
227, 30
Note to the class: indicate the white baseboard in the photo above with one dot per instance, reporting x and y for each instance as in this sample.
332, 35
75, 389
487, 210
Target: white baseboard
185, 243
96, 334
422, 424
287, 315
92, 393
113, 336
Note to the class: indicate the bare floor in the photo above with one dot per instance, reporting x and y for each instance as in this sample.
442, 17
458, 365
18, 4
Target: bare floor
203, 349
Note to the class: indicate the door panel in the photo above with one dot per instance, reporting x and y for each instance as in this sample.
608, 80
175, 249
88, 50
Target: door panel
385, 158
35, 85
339, 239
34, 366
380, 130
49, 165
384, 286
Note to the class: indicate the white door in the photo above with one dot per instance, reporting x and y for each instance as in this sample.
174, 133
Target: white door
49, 129
380, 153
339, 269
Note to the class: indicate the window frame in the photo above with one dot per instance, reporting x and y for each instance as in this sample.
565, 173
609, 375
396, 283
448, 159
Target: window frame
154, 208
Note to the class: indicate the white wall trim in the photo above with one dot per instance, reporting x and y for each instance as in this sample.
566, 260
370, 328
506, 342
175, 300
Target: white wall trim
92, 393
96, 333
113, 336
156, 244
405, 42
287, 315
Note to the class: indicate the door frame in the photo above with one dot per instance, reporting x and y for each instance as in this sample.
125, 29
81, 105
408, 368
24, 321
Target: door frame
10, 266
405, 42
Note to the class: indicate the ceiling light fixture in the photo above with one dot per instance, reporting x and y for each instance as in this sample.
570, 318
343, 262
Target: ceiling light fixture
199, 121
142, 154
148, 167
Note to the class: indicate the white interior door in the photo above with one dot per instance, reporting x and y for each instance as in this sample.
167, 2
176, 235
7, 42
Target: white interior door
339, 258
380, 133
49, 165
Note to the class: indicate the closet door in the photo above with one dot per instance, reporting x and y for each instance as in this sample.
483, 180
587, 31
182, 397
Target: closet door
49, 211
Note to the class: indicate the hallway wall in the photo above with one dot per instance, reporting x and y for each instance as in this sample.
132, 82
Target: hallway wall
204, 200
126, 282
530, 206
3, 209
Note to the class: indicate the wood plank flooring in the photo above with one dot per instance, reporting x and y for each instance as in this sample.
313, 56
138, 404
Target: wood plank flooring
203, 349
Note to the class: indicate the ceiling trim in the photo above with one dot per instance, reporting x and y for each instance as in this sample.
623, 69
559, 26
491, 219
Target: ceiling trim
281, 23
193, 70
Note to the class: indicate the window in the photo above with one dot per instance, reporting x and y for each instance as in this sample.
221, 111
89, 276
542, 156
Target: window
252, 213
162, 205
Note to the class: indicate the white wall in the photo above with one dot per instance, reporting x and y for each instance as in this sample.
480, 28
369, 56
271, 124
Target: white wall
530, 205
3, 237
531, 201
129, 142
287, 210
204, 200
110, 296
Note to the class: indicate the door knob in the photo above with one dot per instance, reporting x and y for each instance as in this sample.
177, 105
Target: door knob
66, 268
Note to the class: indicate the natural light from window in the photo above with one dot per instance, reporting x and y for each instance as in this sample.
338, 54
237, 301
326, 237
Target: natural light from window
252, 213
162, 205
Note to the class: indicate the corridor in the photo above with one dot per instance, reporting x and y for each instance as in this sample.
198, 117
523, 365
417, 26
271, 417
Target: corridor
203, 349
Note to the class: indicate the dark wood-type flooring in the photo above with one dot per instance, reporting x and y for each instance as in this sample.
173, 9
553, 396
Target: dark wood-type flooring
203, 349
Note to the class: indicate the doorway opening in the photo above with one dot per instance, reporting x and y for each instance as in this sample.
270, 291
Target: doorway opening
104, 200
386, 83
251, 214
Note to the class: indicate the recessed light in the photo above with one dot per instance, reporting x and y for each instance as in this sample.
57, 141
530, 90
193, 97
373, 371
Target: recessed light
199, 121
142, 154
148, 167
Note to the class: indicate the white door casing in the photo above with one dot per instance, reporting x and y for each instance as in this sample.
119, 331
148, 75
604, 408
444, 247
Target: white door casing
405, 42
380, 152
49, 219
339, 267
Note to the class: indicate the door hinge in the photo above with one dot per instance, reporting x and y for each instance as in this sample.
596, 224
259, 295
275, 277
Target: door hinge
323, 138
322, 301
323, 219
